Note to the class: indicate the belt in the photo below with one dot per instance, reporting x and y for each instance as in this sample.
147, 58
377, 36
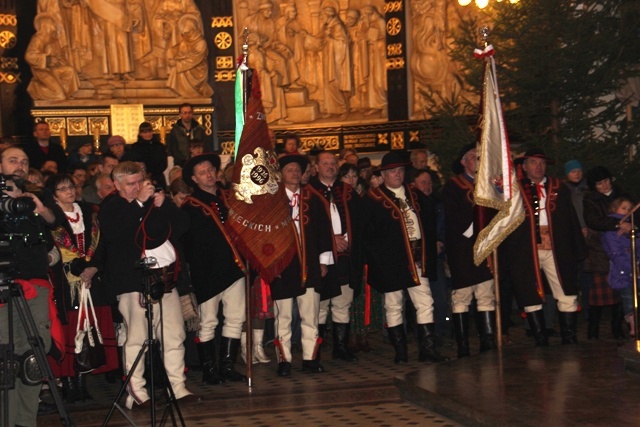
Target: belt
166, 275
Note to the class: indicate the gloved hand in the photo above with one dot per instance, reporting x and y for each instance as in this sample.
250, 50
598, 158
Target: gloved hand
189, 312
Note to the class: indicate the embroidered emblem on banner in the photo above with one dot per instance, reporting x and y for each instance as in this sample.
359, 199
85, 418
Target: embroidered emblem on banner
259, 175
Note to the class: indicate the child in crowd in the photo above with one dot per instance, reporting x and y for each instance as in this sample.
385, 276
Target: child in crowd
618, 248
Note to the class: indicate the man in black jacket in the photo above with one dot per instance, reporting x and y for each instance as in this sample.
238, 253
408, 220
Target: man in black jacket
137, 223
217, 270
400, 239
302, 282
468, 280
42, 149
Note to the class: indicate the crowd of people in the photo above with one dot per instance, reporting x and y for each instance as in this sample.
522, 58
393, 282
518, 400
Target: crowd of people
383, 249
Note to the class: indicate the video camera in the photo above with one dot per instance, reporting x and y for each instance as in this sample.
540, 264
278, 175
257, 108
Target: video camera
13, 205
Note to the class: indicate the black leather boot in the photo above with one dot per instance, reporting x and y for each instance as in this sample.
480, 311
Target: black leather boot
461, 330
617, 319
313, 366
427, 344
341, 343
81, 387
69, 390
322, 333
568, 327
398, 339
538, 328
593, 328
487, 328
228, 355
210, 374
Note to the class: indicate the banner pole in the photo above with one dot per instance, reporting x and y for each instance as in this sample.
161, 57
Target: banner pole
496, 290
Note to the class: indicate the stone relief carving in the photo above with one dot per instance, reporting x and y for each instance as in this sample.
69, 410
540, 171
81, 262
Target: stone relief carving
434, 74
318, 60
118, 51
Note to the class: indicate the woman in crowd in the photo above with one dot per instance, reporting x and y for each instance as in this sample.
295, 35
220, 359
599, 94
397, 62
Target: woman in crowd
77, 240
597, 203
366, 310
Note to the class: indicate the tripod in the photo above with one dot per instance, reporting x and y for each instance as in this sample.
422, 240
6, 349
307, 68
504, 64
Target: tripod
10, 291
154, 356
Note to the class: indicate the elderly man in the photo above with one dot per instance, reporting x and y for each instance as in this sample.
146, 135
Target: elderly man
136, 223
340, 202
302, 282
399, 238
468, 281
549, 241
217, 270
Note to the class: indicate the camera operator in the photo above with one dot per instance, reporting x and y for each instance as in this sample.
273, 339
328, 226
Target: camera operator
135, 224
23, 219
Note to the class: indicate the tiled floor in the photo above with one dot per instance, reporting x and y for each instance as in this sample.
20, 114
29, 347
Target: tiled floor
519, 386
348, 394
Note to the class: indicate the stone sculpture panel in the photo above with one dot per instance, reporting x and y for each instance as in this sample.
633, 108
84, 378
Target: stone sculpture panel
112, 51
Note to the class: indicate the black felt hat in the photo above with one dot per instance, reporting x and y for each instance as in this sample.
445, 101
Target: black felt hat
597, 174
456, 166
533, 153
392, 160
187, 169
303, 161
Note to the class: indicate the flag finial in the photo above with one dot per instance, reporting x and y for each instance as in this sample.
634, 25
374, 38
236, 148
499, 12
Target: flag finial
484, 34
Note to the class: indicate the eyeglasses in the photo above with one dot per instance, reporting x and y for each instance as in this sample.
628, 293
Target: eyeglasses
116, 144
66, 188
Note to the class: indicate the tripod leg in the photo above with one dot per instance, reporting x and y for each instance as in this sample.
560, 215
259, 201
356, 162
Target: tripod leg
38, 347
123, 389
167, 391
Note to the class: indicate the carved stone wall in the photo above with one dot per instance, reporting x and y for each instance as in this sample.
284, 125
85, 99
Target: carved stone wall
101, 52
319, 62
434, 76
335, 71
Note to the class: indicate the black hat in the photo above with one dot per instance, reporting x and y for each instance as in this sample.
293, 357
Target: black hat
392, 160
596, 175
364, 162
537, 153
187, 169
456, 166
303, 161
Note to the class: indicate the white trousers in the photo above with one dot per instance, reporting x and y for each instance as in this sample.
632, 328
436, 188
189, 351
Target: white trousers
566, 303
340, 306
420, 296
308, 306
485, 298
168, 327
233, 308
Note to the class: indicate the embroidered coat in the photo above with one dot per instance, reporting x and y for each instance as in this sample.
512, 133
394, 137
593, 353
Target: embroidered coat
214, 263
519, 251
315, 238
348, 268
457, 196
386, 242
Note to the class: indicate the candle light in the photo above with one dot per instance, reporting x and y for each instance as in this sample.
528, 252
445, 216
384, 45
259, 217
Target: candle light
63, 138
163, 134
96, 138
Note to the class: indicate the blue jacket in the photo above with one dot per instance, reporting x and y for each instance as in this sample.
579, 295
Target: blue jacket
618, 248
